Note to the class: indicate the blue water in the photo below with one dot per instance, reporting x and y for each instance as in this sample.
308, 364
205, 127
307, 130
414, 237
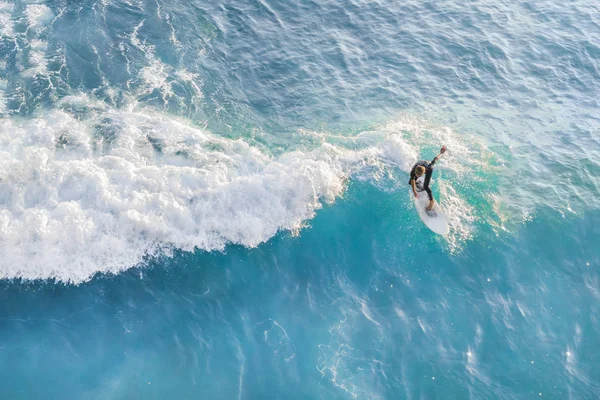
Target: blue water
209, 200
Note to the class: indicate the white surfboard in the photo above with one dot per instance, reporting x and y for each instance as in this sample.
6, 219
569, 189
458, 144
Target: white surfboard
435, 219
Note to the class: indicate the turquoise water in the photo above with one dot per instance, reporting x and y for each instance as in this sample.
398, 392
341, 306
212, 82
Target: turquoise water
209, 200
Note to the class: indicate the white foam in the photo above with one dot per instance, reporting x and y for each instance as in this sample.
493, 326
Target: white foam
38, 15
79, 196
3, 86
38, 44
193, 80
38, 64
155, 75
6, 7
6, 26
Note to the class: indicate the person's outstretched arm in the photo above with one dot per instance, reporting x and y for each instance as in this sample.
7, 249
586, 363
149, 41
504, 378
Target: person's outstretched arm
442, 151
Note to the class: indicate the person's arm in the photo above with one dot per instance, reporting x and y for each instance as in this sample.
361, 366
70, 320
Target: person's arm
412, 183
442, 151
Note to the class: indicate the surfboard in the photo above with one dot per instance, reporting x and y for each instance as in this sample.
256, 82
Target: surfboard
436, 218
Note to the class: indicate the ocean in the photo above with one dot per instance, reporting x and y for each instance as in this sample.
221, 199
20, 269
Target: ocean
209, 199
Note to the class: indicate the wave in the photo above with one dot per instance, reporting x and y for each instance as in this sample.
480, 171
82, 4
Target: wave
87, 188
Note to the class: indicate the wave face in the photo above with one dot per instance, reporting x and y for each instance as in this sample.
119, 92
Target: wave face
210, 198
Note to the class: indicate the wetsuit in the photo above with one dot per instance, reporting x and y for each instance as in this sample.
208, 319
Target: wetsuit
428, 171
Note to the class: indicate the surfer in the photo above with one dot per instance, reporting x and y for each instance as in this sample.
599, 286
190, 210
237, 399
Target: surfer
417, 171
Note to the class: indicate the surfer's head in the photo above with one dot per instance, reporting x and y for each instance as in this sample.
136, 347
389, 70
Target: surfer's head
419, 171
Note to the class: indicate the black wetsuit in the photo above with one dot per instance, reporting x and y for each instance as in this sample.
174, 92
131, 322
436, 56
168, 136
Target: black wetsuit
428, 171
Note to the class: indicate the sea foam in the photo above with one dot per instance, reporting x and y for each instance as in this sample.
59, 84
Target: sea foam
81, 195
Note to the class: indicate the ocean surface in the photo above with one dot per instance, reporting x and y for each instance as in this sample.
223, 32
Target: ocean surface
209, 200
